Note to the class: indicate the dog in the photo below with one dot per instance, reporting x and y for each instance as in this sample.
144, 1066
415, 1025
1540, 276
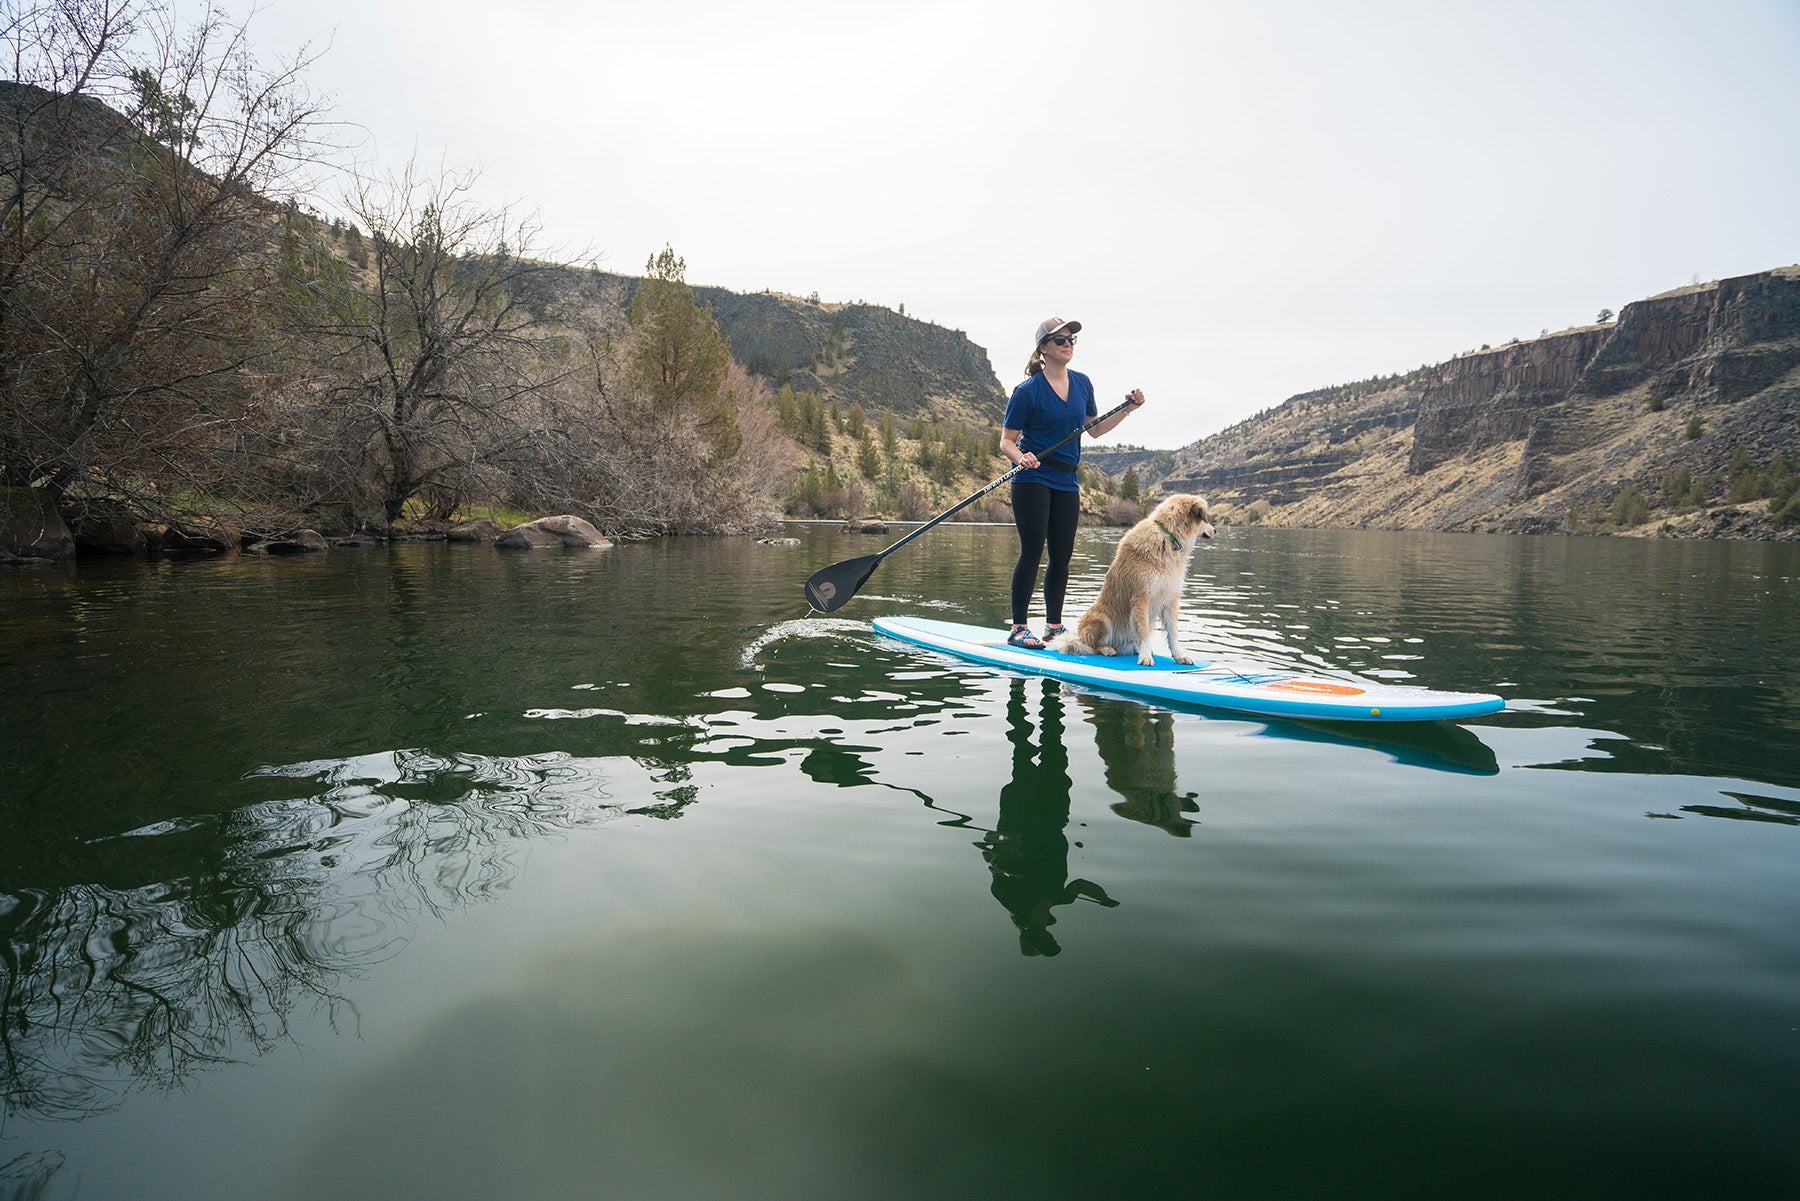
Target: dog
1143, 584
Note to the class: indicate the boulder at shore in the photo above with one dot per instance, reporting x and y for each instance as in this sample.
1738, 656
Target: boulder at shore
31, 528
553, 531
479, 530
108, 530
305, 542
204, 537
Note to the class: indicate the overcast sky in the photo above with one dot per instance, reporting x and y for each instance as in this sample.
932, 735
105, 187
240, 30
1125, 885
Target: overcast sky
1240, 201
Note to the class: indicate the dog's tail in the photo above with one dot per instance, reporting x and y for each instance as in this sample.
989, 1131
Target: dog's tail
1071, 644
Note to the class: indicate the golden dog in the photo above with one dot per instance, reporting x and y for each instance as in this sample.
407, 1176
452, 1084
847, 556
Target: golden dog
1142, 584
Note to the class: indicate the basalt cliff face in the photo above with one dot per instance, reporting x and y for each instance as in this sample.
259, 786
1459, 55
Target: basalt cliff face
860, 354
850, 354
1678, 400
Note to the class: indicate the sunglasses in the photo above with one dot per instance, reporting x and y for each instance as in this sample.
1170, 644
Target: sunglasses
1061, 339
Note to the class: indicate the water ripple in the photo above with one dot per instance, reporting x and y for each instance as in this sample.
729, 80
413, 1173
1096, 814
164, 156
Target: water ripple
802, 628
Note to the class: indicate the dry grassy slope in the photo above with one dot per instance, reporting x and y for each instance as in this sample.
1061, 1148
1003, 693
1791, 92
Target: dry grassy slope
1519, 437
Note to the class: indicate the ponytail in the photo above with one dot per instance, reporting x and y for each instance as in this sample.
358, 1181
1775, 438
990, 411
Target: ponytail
1035, 364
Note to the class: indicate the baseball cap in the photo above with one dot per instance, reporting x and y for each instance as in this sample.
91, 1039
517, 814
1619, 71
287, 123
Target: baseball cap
1051, 324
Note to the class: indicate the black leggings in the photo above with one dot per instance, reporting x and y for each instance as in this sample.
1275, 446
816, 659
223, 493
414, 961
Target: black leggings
1043, 515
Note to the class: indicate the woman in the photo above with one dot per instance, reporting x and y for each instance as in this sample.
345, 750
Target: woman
1051, 404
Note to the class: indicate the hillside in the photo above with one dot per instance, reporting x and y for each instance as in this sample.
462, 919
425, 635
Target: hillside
887, 414
1679, 418
860, 354
847, 354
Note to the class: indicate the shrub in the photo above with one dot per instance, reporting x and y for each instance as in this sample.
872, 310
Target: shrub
1122, 512
1702, 488
1677, 487
1630, 508
914, 503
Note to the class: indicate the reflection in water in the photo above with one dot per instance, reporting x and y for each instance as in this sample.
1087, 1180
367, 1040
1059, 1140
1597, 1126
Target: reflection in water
1027, 850
1137, 744
1438, 745
109, 989
1751, 808
29, 1175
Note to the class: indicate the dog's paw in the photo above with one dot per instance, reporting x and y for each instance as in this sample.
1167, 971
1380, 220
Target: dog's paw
1109, 650
1146, 659
1185, 659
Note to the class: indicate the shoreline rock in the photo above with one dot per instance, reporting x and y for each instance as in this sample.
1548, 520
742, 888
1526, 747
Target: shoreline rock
30, 527
304, 542
562, 530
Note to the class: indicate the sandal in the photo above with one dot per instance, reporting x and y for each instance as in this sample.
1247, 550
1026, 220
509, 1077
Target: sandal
1021, 637
1055, 631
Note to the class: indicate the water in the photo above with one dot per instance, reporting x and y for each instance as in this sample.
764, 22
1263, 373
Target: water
438, 872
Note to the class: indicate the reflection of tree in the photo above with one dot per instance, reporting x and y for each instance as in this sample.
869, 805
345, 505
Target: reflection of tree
1137, 744
1027, 851
28, 1176
103, 986
103, 990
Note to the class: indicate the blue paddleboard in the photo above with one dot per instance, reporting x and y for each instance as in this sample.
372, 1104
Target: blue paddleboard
1264, 691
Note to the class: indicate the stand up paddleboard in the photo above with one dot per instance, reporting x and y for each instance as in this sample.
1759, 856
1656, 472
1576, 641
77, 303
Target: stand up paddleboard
1263, 691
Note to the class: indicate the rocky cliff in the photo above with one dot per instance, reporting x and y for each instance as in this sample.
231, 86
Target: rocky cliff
849, 353
860, 353
1680, 399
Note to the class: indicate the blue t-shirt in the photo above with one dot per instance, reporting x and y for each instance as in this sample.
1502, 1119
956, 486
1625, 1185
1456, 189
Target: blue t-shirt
1044, 419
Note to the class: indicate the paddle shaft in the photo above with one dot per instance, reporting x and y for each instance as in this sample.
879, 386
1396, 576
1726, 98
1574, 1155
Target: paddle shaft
966, 501
830, 587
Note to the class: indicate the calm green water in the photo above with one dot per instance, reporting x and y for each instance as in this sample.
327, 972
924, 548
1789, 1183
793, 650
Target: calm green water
437, 872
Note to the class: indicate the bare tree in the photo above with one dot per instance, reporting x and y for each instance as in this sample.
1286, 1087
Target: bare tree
439, 364
133, 250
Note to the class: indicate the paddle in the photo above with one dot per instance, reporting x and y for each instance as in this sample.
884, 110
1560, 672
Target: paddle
830, 588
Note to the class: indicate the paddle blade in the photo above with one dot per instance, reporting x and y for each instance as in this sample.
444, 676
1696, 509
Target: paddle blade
830, 588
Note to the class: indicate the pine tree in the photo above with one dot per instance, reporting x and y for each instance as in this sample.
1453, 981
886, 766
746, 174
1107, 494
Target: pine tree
679, 356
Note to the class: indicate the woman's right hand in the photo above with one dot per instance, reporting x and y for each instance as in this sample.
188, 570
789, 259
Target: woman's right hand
1009, 442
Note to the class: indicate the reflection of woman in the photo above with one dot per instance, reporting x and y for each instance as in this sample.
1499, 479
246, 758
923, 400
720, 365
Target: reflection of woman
1050, 405
1137, 744
1027, 850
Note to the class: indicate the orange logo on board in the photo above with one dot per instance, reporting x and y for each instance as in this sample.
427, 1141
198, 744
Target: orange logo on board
1317, 688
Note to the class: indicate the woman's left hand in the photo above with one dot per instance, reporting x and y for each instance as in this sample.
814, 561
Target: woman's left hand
1136, 397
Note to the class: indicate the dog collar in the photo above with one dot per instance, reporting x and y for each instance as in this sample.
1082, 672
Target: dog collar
1173, 540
